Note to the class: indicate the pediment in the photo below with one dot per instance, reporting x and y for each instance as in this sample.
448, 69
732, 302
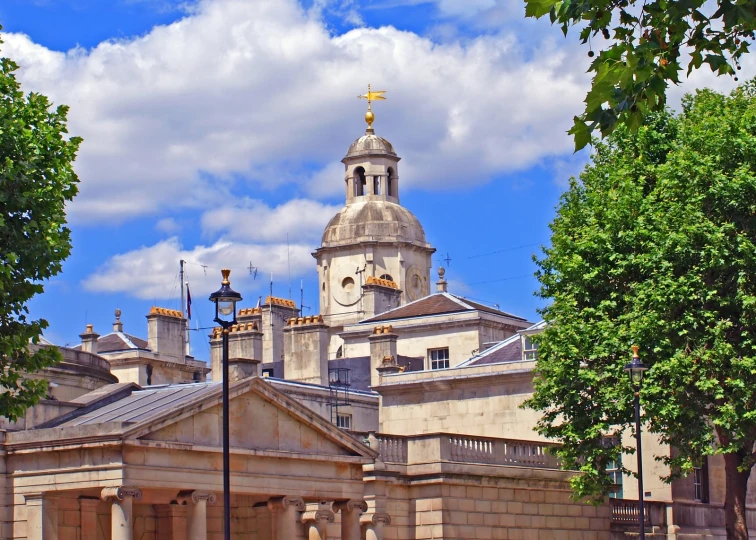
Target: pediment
262, 418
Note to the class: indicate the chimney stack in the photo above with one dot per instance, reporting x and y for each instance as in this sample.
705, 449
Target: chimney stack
165, 334
382, 351
306, 350
89, 340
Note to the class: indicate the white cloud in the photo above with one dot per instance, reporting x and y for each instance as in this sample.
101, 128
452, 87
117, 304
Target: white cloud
245, 95
168, 226
150, 272
251, 220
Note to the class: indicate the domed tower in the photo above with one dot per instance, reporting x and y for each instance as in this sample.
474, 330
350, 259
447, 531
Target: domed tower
374, 255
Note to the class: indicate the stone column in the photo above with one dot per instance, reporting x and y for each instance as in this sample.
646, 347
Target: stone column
373, 525
88, 516
41, 517
197, 512
316, 520
285, 510
350, 518
121, 514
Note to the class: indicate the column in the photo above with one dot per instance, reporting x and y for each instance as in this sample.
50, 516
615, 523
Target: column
373, 525
316, 520
350, 518
285, 513
121, 515
41, 517
88, 516
197, 512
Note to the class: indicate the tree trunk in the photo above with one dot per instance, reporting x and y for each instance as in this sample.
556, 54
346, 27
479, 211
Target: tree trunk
736, 487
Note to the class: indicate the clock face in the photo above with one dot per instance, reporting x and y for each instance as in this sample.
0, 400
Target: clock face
346, 291
416, 284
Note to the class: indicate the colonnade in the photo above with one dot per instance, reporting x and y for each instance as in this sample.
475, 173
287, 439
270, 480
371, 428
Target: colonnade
287, 515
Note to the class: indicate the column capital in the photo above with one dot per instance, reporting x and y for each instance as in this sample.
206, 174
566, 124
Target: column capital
318, 516
375, 518
196, 496
282, 503
350, 506
120, 493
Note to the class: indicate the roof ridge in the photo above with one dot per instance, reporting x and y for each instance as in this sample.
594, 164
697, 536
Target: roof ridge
506, 341
458, 299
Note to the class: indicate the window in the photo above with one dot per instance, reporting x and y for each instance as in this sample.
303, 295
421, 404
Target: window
376, 185
697, 484
529, 348
390, 183
614, 470
344, 421
359, 182
439, 358
267, 373
387, 277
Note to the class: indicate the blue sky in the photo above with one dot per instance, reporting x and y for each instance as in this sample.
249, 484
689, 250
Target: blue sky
214, 129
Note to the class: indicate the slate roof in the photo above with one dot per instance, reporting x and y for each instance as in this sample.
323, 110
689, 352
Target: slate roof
509, 350
143, 404
437, 304
359, 368
118, 341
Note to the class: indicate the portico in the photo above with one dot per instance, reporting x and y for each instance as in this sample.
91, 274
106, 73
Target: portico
149, 466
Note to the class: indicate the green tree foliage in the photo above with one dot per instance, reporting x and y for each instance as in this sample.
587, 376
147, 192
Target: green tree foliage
36, 180
655, 244
644, 46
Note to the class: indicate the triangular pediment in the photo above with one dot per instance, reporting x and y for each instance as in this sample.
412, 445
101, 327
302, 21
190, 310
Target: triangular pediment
262, 419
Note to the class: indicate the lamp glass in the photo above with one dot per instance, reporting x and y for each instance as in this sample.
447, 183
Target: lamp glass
226, 307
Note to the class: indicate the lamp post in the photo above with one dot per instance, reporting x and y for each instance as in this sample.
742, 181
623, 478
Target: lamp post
225, 300
635, 369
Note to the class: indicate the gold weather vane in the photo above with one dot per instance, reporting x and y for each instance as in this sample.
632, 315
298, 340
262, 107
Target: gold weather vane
371, 96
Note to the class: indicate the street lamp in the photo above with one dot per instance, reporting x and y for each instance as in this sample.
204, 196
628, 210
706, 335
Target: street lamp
636, 369
225, 300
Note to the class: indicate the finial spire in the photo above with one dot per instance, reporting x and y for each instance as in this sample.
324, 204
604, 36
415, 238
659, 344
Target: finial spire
371, 96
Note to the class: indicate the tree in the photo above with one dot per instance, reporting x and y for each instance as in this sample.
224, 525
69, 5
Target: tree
645, 47
36, 180
655, 245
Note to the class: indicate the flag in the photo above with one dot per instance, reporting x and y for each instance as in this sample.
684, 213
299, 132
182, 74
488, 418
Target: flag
188, 303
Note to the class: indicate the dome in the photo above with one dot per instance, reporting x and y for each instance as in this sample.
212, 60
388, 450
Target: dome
377, 220
369, 144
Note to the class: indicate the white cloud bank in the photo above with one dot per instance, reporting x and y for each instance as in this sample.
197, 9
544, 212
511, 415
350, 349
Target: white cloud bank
149, 271
243, 94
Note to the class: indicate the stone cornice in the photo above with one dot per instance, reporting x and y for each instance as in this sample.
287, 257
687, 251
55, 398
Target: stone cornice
394, 385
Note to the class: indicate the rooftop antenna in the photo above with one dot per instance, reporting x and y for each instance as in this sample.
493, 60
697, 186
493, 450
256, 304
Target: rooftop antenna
447, 259
252, 270
288, 263
183, 306
301, 299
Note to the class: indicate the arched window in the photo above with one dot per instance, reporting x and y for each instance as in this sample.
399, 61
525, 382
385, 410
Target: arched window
359, 182
387, 277
376, 185
390, 183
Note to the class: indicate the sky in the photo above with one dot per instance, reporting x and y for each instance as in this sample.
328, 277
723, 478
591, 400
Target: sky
214, 130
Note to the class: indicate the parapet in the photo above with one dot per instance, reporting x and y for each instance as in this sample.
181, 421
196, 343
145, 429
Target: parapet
154, 310
372, 280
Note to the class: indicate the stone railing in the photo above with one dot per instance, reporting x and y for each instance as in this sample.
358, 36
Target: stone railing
626, 511
450, 447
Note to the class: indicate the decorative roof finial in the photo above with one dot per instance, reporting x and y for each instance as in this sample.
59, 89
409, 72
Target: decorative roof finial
369, 116
441, 285
118, 314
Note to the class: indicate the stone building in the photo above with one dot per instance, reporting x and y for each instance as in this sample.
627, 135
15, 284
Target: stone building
393, 413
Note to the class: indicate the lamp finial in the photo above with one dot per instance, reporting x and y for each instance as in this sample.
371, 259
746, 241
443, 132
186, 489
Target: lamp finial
225, 273
635, 351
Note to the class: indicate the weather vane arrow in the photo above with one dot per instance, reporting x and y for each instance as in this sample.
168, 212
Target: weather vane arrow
371, 96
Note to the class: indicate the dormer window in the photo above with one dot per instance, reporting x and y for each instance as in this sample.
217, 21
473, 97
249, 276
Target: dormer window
529, 348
